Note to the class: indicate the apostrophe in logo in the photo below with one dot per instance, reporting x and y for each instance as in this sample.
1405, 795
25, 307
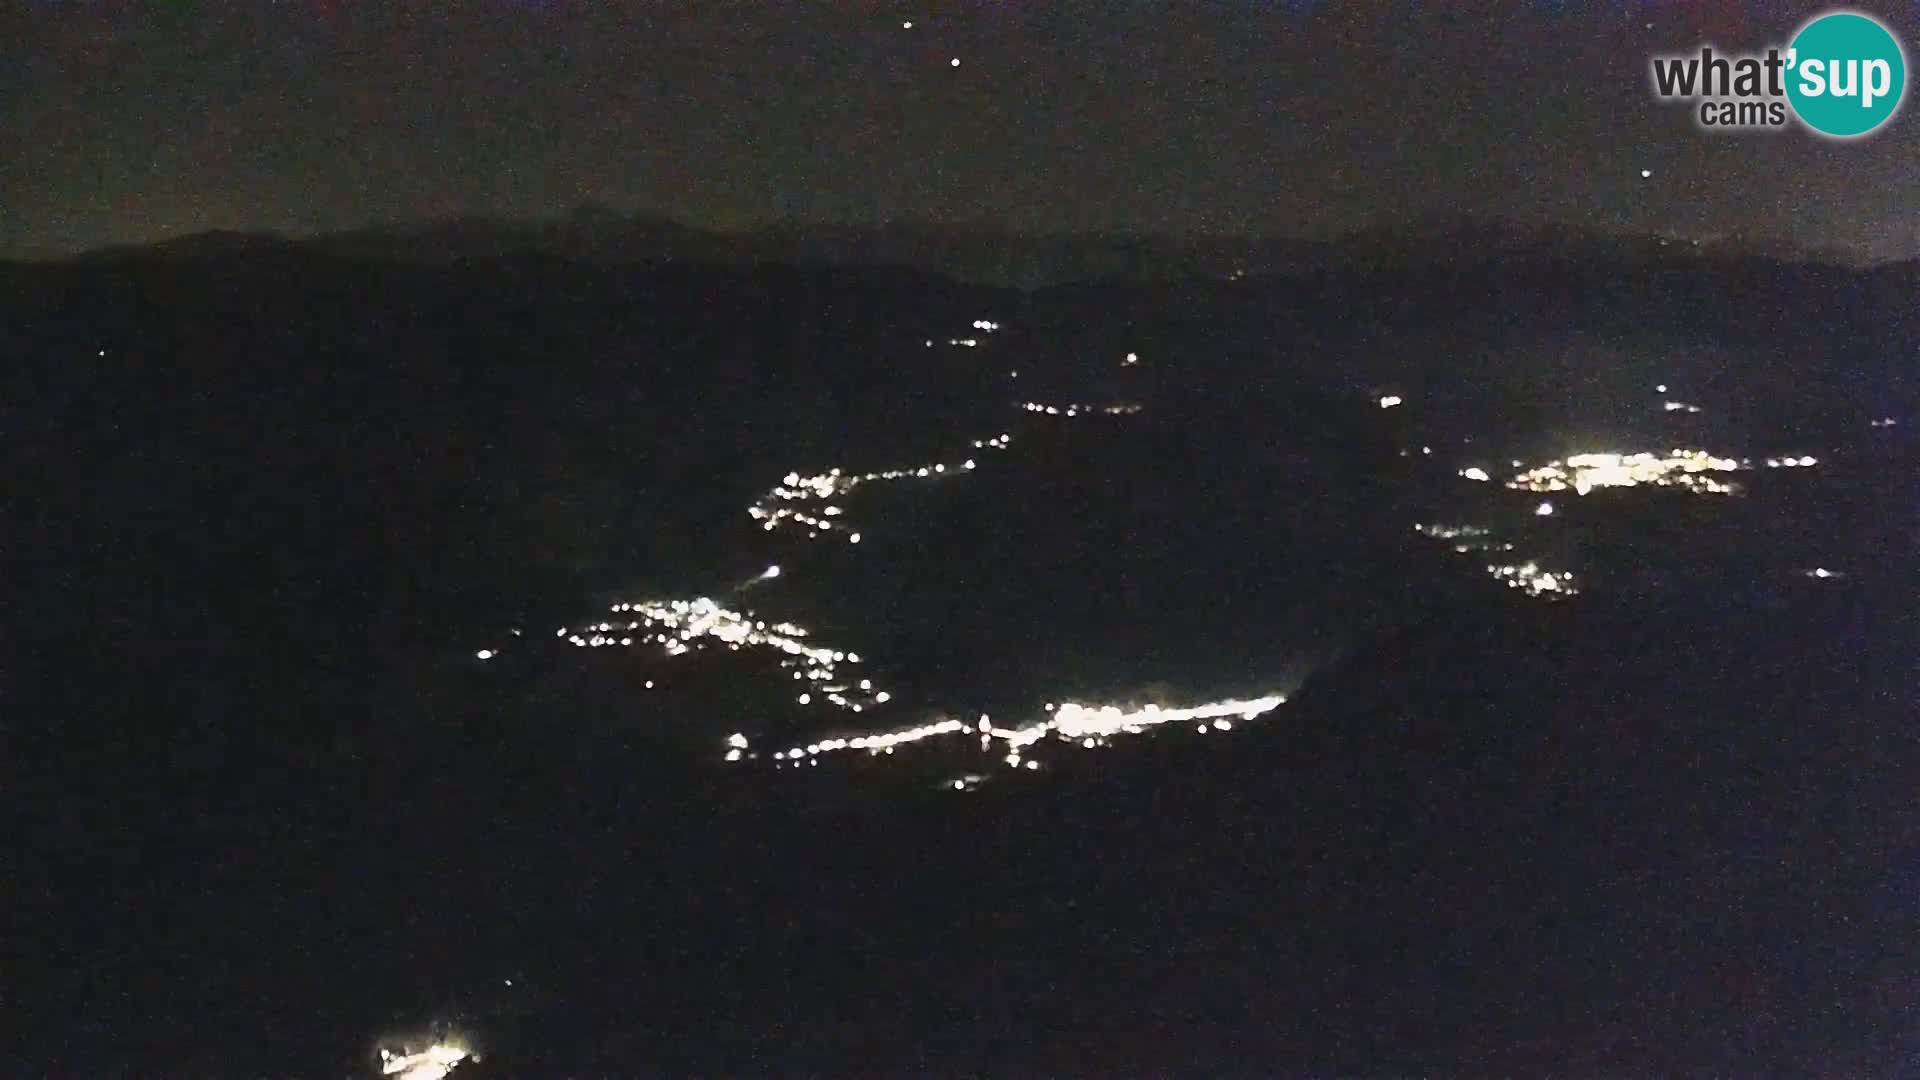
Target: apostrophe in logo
1846, 74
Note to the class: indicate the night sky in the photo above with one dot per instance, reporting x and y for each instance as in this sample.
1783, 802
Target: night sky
130, 121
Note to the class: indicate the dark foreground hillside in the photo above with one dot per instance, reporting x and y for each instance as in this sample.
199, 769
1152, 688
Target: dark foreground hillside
1489, 849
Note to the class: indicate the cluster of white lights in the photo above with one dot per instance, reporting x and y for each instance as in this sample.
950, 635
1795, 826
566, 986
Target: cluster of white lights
1527, 576
1079, 410
1465, 538
1391, 400
986, 324
876, 743
1530, 577
1792, 463
1824, 574
1451, 532
1093, 725
433, 1063
965, 343
1087, 726
775, 509
1884, 422
1689, 469
682, 626
1679, 406
1476, 473
604, 635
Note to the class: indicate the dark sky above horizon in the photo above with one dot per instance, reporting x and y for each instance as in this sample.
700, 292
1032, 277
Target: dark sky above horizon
128, 121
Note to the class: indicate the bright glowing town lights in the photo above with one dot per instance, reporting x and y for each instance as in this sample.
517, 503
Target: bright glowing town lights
1450, 532
1691, 470
683, 626
1079, 410
872, 722
1527, 577
792, 500
433, 1063
1530, 577
1071, 721
1068, 724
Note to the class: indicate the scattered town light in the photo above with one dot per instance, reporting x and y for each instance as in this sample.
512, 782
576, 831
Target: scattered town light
782, 505
1390, 400
1535, 581
1080, 410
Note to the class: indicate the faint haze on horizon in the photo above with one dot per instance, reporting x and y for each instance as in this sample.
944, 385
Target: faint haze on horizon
136, 122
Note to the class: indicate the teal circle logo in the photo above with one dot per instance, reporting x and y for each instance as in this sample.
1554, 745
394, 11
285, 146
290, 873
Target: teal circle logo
1846, 74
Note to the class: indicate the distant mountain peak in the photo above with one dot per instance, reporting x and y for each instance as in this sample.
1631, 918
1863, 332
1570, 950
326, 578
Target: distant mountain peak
991, 254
